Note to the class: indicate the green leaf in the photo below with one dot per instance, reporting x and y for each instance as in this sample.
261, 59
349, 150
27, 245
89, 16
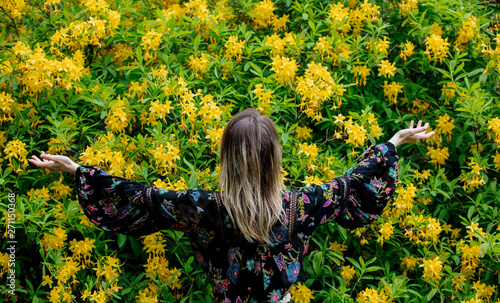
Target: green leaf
193, 180
317, 261
475, 72
136, 247
284, 138
14, 83
483, 78
470, 212
431, 294
196, 42
4, 78
121, 240
483, 248
191, 167
138, 52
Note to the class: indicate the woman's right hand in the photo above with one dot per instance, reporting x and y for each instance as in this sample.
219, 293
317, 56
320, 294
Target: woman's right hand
55, 162
411, 134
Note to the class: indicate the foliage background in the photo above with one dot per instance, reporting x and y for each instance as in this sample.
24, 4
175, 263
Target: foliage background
144, 89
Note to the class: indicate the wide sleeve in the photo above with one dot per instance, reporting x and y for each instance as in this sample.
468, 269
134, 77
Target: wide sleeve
357, 198
128, 207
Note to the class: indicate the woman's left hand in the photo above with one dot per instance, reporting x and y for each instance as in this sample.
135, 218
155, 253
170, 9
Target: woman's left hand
55, 162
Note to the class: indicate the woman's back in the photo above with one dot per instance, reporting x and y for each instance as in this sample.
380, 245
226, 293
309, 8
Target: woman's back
239, 269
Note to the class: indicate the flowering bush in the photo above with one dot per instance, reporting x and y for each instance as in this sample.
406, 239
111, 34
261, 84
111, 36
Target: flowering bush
144, 89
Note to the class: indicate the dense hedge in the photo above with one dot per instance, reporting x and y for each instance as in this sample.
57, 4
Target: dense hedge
144, 89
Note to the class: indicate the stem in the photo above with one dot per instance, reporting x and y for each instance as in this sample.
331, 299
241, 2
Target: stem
13, 21
8, 49
34, 43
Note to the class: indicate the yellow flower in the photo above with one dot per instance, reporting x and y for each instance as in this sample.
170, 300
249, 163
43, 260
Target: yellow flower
391, 91
436, 29
356, 134
262, 14
467, 32
338, 247
311, 180
199, 64
279, 24
60, 190
158, 110
470, 257
154, 244
108, 267
408, 263
303, 133
214, 134
494, 125
47, 280
437, 47
82, 249
424, 175
15, 149
483, 291
285, 69
473, 229
360, 73
449, 90
459, 282
315, 87
180, 185
386, 232
56, 240
301, 294
432, 269
6, 107
445, 125
371, 295
158, 265
339, 15
496, 160
407, 6
234, 48
438, 155
386, 68
165, 157
382, 45
347, 273
431, 230
310, 150
150, 43
86, 294
339, 119
264, 98
407, 50
376, 130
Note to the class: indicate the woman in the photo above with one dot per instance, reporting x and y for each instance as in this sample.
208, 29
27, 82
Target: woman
250, 237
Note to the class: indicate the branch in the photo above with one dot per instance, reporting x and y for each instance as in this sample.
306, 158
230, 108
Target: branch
13, 21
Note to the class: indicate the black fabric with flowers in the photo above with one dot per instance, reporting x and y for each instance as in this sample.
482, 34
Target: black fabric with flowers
240, 271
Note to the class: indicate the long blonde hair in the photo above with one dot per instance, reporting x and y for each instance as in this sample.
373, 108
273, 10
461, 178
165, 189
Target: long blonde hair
250, 178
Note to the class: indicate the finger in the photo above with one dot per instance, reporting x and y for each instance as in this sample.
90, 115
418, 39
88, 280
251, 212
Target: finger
419, 129
39, 163
424, 136
50, 157
419, 123
411, 124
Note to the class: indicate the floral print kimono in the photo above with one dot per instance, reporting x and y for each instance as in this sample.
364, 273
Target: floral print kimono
240, 271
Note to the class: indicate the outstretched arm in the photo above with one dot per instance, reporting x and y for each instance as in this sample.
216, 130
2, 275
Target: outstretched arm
55, 162
369, 184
